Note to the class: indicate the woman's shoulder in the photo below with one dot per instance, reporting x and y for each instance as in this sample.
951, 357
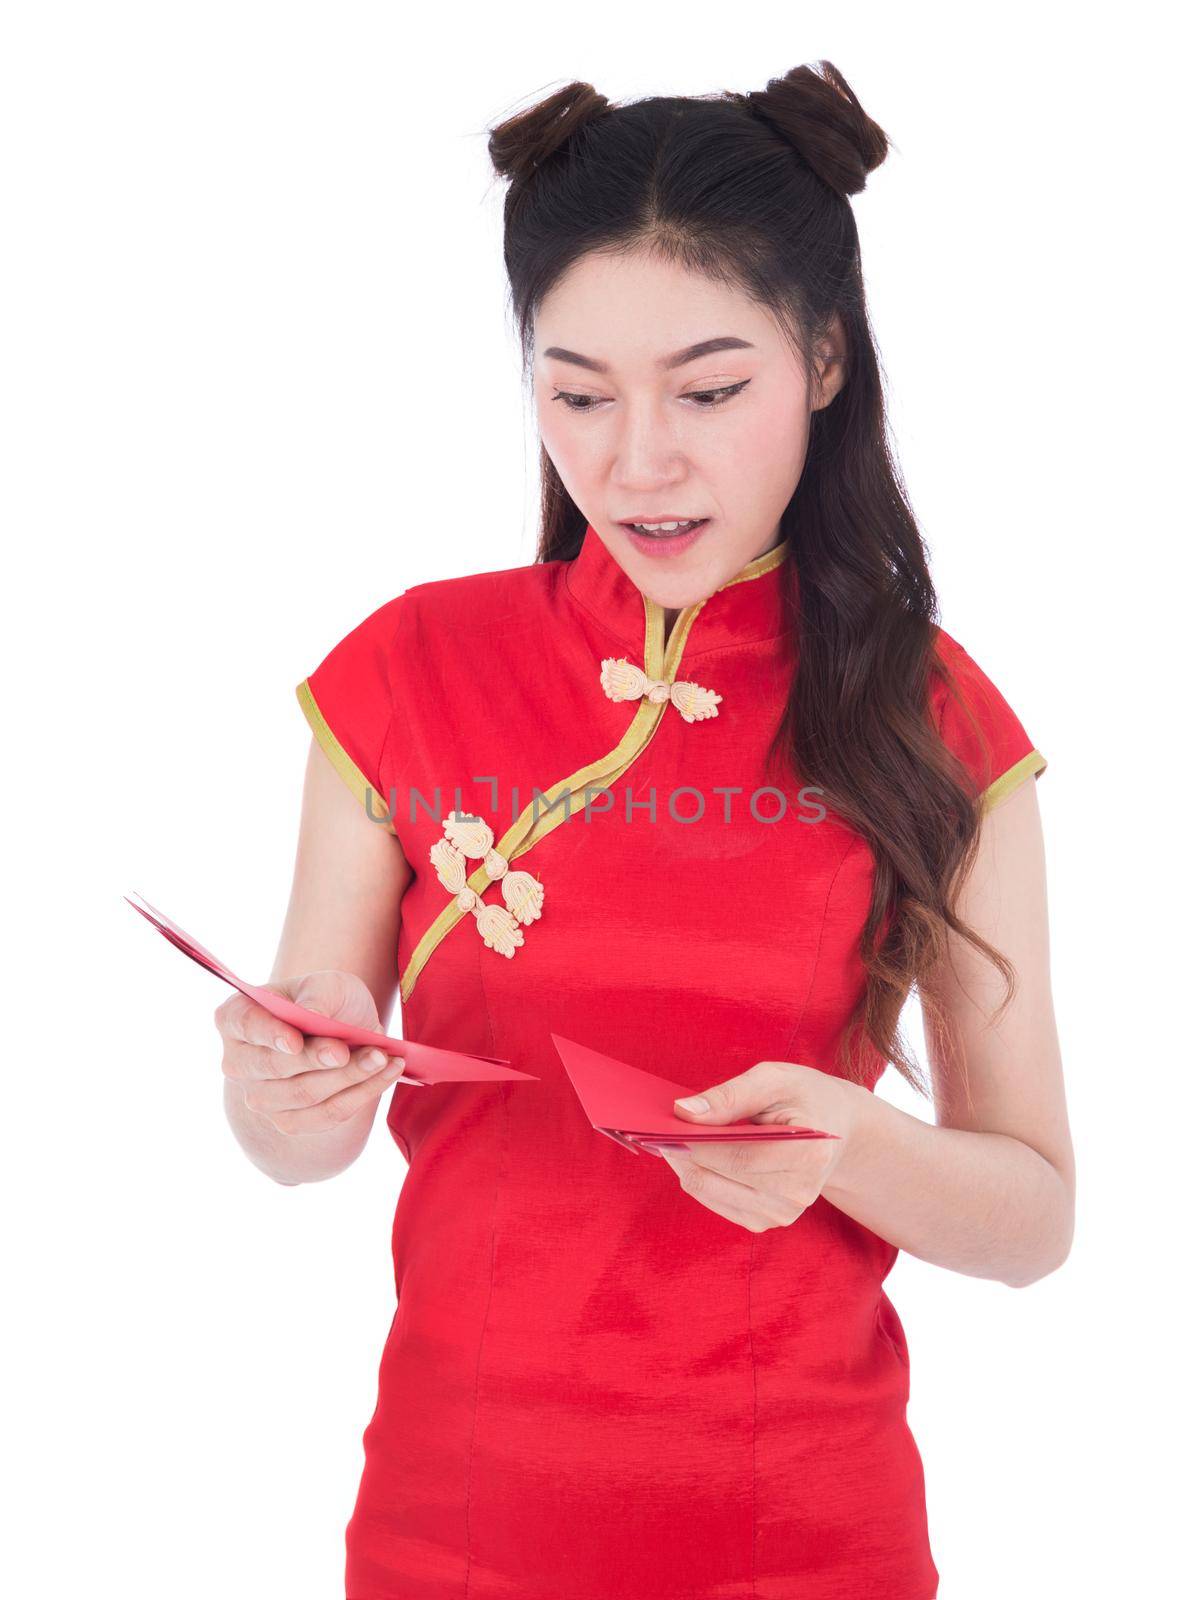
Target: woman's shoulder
475, 599
441, 607
957, 677
977, 721
403, 654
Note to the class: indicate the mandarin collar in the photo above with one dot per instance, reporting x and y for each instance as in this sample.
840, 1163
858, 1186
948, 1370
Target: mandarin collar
750, 606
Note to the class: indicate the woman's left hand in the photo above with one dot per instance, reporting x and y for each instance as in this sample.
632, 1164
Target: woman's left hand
768, 1183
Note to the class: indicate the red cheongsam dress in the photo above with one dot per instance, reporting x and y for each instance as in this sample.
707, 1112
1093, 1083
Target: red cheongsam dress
593, 1387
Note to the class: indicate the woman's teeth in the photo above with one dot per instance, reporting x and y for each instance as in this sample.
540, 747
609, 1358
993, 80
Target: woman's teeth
667, 527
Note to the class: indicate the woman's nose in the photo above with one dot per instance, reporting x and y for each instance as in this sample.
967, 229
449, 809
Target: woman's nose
648, 450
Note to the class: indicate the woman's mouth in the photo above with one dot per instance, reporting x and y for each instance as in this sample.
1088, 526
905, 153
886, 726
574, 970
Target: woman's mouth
669, 537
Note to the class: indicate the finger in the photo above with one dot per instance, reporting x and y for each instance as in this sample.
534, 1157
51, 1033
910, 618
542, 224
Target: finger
754, 1209
753, 1161
313, 1052
328, 994
312, 1088
339, 1107
240, 1018
252, 1063
736, 1098
326, 1052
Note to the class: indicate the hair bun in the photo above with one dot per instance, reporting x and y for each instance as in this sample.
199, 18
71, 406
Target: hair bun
817, 112
524, 141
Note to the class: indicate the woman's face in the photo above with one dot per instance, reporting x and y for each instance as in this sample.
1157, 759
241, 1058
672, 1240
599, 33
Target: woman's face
664, 395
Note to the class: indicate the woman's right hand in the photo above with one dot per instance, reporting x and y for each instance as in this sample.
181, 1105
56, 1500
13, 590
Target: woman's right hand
305, 1083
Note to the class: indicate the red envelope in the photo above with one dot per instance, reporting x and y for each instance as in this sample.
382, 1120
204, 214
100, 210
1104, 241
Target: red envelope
634, 1107
426, 1063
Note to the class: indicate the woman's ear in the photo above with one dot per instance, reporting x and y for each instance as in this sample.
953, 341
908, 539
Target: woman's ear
830, 364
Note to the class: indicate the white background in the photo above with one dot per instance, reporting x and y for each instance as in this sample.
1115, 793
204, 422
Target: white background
258, 376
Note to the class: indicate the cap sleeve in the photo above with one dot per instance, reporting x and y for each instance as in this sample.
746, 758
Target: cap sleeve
978, 725
349, 704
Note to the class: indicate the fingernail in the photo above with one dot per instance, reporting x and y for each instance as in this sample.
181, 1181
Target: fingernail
326, 1058
282, 1044
374, 1060
693, 1102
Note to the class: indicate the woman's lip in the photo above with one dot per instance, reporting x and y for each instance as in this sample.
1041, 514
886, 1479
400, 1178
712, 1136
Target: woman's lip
671, 544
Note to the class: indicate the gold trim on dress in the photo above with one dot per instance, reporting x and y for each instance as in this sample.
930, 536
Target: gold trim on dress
661, 664
357, 780
1031, 765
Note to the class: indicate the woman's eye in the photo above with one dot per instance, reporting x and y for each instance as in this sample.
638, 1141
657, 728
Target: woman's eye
704, 399
710, 395
571, 399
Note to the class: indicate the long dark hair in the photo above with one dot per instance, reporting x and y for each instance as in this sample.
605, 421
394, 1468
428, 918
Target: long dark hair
753, 190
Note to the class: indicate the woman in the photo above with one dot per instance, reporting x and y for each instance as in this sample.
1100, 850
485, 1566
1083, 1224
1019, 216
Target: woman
749, 794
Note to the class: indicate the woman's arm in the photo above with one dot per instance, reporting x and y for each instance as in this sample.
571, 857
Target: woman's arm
989, 1190
343, 916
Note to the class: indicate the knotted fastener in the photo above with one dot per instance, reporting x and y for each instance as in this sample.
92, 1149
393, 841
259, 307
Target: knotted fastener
464, 836
621, 680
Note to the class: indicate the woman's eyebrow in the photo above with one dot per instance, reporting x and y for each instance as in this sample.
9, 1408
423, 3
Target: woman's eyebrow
705, 347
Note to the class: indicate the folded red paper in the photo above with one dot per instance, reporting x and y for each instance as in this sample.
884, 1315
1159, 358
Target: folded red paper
635, 1107
426, 1063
